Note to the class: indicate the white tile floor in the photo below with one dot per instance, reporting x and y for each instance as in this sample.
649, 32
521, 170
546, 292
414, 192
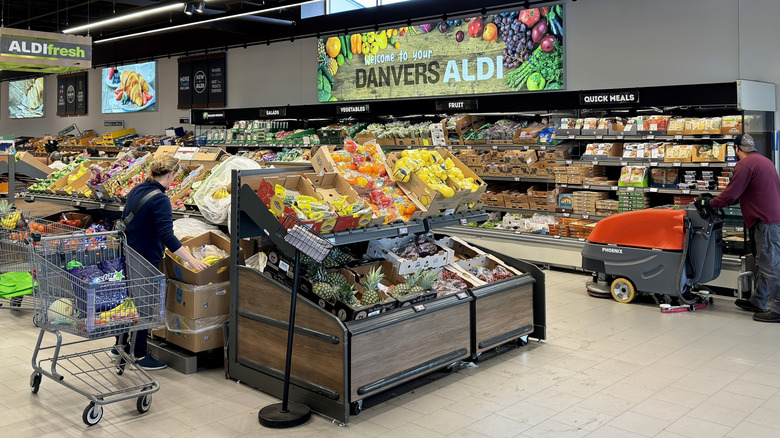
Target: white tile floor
606, 370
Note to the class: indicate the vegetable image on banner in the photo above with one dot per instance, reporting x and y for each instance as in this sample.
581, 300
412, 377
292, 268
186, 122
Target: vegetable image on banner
516, 51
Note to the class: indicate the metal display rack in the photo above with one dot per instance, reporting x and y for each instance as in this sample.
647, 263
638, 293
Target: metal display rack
337, 364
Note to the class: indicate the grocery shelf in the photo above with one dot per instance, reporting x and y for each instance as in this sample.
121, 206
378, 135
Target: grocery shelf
628, 162
635, 137
555, 213
499, 147
517, 178
265, 145
671, 191
564, 252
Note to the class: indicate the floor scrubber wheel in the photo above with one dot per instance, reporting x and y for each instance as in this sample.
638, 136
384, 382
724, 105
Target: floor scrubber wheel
623, 291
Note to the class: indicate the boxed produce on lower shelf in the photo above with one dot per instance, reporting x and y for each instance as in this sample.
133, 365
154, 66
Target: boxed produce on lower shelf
485, 269
208, 244
410, 253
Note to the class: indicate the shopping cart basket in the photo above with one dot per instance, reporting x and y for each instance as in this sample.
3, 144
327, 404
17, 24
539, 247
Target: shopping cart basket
17, 232
95, 286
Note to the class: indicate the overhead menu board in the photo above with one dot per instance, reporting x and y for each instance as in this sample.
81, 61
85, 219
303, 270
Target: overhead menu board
513, 51
202, 81
72, 94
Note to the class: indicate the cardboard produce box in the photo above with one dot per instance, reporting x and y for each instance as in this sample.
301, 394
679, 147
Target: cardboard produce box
215, 273
197, 342
332, 186
192, 301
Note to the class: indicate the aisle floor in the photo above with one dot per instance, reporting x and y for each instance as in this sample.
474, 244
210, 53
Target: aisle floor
606, 370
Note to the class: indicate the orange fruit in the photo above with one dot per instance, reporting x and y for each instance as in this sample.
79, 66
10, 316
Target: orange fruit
333, 47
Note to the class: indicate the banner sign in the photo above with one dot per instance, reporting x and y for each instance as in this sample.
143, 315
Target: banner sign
273, 112
72, 94
202, 81
353, 109
515, 51
623, 97
457, 105
44, 52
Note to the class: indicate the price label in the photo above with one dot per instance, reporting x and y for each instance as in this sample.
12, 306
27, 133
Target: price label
77, 203
613, 188
732, 164
463, 221
595, 162
403, 231
586, 187
650, 137
102, 206
383, 288
284, 266
517, 178
32, 198
585, 216
653, 189
542, 148
599, 137
705, 164
121, 208
495, 148
581, 239
572, 137
449, 212
449, 147
469, 147
686, 191
462, 295
568, 161
418, 307
525, 147
653, 164
185, 216
631, 189
567, 215
564, 185
408, 146
677, 164
678, 137
740, 229
556, 237
619, 137
728, 137
705, 137
624, 163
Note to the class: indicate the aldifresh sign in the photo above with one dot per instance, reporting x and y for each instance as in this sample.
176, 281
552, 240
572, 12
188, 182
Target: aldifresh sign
45, 52
514, 51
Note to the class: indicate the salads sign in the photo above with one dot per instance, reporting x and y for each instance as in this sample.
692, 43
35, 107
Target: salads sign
514, 51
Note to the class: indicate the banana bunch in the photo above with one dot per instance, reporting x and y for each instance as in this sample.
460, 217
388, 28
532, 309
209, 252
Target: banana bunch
211, 260
126, 310
221, 194
10, 221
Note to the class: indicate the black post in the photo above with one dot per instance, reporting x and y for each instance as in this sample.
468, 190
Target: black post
287, 414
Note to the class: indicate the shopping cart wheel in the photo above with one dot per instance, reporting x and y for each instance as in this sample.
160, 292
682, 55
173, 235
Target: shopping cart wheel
92, 414
144, 403
35, 382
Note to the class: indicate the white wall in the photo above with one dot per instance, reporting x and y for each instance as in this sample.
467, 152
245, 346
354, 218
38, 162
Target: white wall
609, 44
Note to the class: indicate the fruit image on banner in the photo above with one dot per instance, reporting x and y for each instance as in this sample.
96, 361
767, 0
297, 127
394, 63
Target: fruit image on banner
516, 51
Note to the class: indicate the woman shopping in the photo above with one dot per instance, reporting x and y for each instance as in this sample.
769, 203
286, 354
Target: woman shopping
149, 228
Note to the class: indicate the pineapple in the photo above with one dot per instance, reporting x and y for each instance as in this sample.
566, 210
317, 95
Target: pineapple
371, 286
408, 286
5, 207
425, 281
321, 47
325, 291
333, 66
337, 258
346, 293
335, 280
317, 274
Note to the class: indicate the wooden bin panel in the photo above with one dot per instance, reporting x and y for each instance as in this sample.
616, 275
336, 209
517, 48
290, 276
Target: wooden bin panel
315, 360
406, 343
503, 312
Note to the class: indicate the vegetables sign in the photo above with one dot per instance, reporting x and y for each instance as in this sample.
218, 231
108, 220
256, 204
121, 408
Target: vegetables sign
505, 52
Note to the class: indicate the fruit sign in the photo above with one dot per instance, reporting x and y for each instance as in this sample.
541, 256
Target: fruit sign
514, 51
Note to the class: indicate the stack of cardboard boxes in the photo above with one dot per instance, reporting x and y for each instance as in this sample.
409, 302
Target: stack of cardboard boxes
197, 303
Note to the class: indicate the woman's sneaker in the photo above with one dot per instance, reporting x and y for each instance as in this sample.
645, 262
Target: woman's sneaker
149, 363
113, 354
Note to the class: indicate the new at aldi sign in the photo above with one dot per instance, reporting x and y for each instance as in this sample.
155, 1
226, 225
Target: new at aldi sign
515, 51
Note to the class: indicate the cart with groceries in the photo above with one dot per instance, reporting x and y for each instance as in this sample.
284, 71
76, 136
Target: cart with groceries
94, 286
17, 286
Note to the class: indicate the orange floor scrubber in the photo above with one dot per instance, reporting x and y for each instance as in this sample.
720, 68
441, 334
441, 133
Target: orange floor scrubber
665, 252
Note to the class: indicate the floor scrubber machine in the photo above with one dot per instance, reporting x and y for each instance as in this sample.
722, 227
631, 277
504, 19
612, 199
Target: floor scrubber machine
663, 252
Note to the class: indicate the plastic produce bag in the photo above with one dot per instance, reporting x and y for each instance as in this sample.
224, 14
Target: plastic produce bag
109, 274
257, 261
186, 228
216, 210
190, 326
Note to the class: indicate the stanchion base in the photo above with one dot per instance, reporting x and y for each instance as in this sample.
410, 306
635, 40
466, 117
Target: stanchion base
272, 415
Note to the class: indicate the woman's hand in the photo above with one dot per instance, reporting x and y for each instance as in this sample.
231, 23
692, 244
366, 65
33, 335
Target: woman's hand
198, 265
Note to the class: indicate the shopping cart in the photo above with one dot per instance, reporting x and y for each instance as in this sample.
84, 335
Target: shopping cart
17, 229
95, 286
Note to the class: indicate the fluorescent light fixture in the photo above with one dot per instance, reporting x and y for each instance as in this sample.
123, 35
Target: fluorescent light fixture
194, 23
127, 17
199, 8
189, 8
